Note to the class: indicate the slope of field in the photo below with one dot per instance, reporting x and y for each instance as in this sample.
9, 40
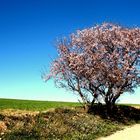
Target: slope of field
33, 105
60, 124
26, 119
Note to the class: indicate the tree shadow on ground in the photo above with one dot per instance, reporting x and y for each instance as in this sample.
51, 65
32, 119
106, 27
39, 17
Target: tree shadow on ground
121, 113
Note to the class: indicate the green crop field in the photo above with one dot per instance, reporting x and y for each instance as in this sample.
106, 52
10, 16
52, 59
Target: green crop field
33, 105
132, 105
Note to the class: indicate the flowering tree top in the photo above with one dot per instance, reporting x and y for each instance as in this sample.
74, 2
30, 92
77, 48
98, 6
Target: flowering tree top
101, 60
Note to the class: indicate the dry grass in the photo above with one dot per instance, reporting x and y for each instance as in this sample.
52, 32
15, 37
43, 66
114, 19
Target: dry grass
64, 123
61, 123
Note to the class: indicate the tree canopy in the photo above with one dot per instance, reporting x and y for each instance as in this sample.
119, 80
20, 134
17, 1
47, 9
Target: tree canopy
99, 63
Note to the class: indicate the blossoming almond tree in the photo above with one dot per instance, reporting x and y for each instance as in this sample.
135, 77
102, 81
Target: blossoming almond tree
99, 63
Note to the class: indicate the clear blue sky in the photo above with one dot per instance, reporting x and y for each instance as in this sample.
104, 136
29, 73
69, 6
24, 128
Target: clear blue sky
28, 30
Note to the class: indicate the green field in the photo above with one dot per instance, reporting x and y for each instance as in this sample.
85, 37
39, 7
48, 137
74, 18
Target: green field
33, 105
134, 105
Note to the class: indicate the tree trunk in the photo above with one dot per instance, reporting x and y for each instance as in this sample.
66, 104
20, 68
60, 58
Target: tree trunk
86, 107
92, 103
110, 107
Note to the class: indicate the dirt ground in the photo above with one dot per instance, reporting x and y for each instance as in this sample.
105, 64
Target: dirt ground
130, 133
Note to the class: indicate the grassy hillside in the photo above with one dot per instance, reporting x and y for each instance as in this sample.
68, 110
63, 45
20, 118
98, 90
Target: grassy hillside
65, 124
33, 105
31, 122
60, 124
